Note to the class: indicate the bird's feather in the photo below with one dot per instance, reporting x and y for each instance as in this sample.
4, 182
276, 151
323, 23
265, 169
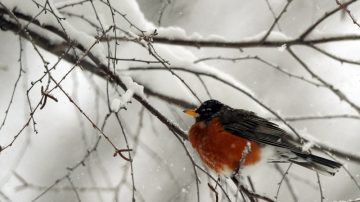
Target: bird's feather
248, 125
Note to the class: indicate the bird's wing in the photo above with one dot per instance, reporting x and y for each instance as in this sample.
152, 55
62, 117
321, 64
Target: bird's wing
248, 125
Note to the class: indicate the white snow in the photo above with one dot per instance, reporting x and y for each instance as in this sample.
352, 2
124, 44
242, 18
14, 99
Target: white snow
282, 48
132, 87
311, 141
172, 32
121, 102
179, 33
278, 36
306, 147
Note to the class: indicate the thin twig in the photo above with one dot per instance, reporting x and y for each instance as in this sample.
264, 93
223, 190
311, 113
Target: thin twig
73, 187
325, 16
356, 183
165, 4
134, 60
21, 70
344, 7
215, 192
276, 20
5, 197
249, 193
257, 58
165, 64
320, 187
286, 181
129, 154
336, 91
72, 4
252, 186
272, 13
330, 55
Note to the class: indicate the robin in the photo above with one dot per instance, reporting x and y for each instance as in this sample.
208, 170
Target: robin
227, 139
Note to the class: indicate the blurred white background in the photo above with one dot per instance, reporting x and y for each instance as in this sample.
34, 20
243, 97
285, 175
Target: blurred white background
161, 168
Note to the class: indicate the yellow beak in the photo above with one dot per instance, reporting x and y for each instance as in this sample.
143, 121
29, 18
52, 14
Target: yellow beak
191, 112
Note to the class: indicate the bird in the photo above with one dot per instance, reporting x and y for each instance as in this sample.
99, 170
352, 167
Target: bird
227, 139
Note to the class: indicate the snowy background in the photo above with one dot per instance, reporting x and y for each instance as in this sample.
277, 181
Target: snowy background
161, 168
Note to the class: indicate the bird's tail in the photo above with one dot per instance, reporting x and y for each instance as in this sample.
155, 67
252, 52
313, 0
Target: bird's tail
310, 161
319, 164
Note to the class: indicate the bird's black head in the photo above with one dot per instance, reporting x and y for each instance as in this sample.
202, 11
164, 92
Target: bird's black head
206, 110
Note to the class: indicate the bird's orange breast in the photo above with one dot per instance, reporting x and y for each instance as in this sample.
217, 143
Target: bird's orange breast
219, 149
